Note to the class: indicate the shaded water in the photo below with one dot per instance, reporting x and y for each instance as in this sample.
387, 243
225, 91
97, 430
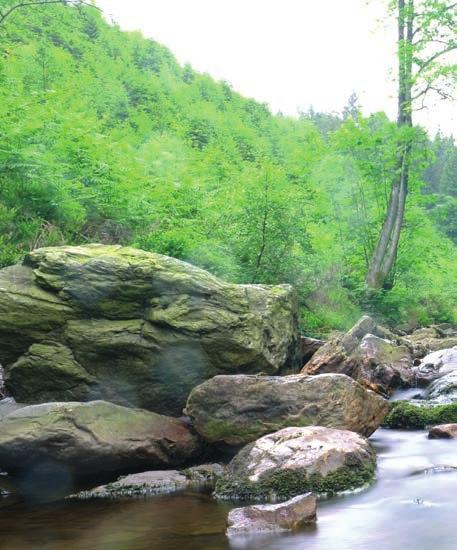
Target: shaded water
412, 504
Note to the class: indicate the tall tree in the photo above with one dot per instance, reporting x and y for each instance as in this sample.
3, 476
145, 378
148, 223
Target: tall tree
427, 38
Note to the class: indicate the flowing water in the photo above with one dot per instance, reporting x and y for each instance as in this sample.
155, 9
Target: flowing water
412, 504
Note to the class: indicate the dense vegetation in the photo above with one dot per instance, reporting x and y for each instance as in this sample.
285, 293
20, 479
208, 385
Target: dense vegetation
105, 137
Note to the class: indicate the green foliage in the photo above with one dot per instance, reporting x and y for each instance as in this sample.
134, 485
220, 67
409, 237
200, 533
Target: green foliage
105, 137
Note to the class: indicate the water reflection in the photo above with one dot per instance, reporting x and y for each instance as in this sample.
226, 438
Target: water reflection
413, 503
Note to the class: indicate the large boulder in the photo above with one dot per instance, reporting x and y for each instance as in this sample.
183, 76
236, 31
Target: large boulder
367, 355
435, 365
93, 438
240, 408
133, 327
265, 518
294, 461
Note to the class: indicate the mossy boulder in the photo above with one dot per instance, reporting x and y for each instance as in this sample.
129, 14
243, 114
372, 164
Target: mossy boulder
293, 461
133, 327
93, 438
238, 409
419, 415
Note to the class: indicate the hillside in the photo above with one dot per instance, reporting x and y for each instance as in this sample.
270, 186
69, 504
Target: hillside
106, 138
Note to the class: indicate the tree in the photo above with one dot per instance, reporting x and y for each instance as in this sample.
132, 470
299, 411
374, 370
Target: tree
352, 107
427, 36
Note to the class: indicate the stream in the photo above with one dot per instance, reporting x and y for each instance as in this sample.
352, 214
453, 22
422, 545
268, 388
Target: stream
412, 504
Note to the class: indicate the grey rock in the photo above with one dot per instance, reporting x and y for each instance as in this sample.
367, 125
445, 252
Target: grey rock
264, 518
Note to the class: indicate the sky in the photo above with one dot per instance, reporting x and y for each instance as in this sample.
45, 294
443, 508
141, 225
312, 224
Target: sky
290, 54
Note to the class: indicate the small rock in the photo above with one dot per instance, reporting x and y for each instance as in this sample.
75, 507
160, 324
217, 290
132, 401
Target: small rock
444, 431
285, 516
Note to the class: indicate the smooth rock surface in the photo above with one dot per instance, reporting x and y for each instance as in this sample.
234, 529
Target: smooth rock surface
444, 431
294, 461
135, 328
238, 409
93, 438
365, 354
285, 516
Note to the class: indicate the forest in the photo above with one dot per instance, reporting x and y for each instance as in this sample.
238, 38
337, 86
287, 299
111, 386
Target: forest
106, 138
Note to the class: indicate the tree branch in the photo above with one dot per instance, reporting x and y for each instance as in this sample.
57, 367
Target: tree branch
7, 13
434, 57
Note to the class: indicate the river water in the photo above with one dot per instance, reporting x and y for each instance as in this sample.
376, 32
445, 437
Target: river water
413, 504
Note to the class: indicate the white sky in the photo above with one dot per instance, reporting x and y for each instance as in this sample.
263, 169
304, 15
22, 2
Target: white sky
288, 53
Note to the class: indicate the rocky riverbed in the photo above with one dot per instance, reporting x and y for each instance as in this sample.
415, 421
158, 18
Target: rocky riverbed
139, 386
412, 504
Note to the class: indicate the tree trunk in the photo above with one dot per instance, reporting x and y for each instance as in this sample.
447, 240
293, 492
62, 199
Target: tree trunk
385, 253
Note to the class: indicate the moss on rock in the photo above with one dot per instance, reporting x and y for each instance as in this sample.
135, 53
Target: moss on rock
286, 484
406, 415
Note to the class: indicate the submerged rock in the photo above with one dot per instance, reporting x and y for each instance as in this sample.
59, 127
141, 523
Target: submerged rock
294, 461
366, 355
146, 484
286, 516
444, 431
240, 408
92, 438
135, 328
